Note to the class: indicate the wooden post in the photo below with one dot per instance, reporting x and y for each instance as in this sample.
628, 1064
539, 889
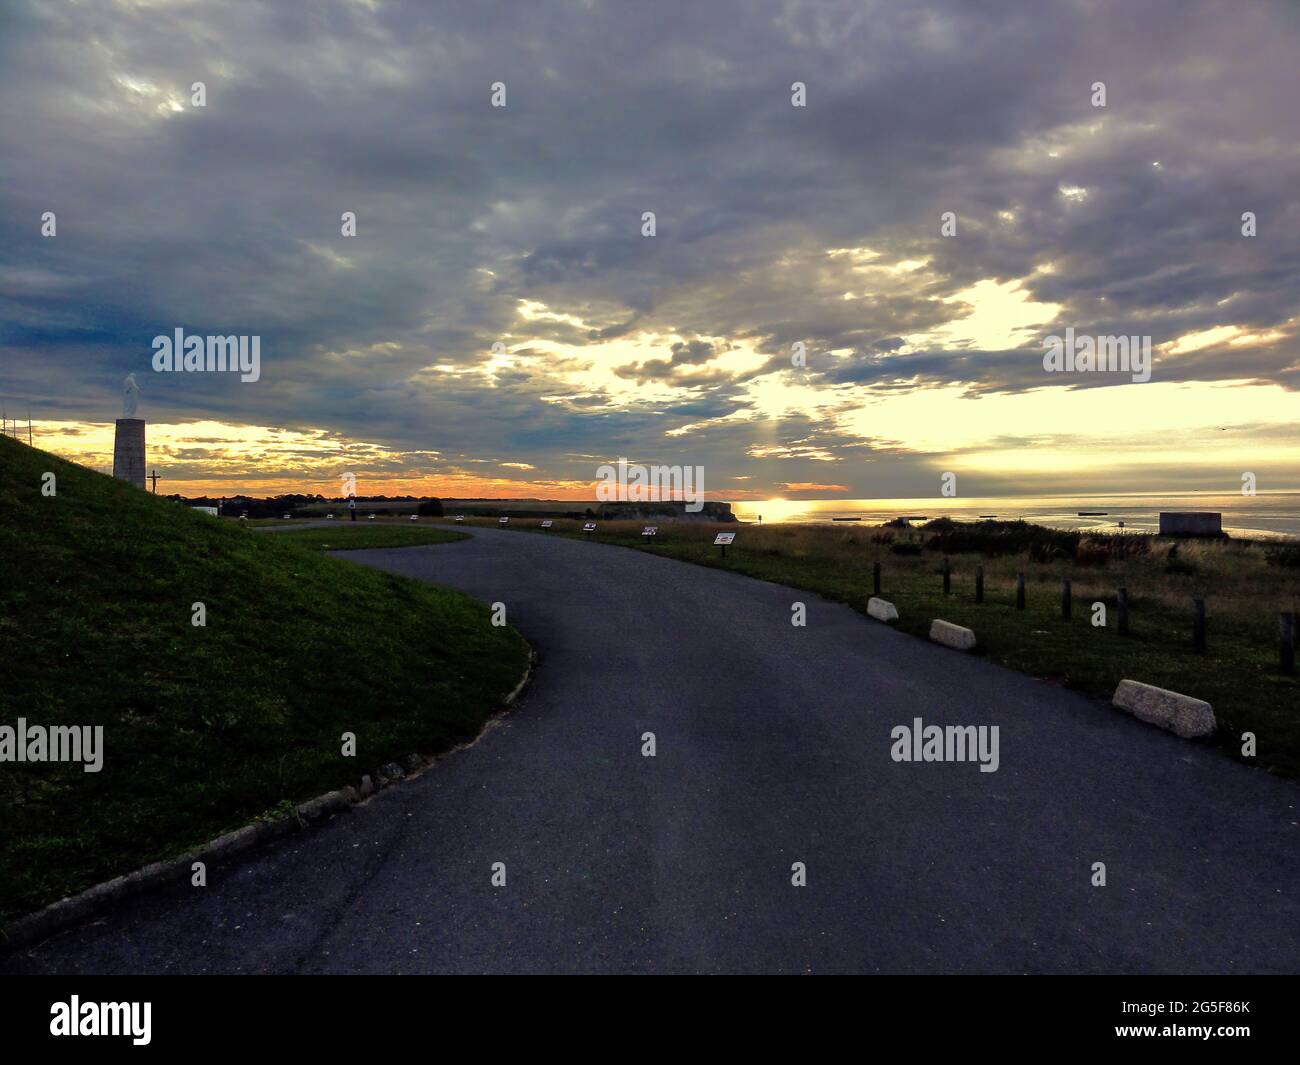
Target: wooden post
1198, 624
947, 576
979, 584
875, 578
1286, 642
1020, 591
1065, 600
1122, 602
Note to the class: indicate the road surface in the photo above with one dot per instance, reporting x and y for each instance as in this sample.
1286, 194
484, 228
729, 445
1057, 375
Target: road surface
773, 748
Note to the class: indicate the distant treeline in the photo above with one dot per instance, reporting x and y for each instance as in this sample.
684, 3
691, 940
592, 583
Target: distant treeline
307, 505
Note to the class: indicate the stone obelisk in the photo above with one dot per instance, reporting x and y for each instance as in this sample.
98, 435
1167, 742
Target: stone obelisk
128, 442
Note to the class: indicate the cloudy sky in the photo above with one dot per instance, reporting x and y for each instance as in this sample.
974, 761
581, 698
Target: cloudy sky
521, 226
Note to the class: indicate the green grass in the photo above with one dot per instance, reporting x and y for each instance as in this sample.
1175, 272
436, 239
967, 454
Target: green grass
351, 536
1239, 674
206, 728
274, 523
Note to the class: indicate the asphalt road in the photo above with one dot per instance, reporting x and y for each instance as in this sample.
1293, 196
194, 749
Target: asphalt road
773, 747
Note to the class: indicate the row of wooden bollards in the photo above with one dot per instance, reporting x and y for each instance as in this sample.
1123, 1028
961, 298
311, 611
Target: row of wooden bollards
1288, 626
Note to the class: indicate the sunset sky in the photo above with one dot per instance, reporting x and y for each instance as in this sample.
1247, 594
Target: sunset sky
522, 225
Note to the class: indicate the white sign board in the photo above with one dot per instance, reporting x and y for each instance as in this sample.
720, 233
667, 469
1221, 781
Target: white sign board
724, 538
589, 527
503, 521
546, 524
650, 530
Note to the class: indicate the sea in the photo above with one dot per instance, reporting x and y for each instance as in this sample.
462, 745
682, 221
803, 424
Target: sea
1271, 515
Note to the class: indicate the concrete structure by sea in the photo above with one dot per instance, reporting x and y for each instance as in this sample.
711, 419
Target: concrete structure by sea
1191, 523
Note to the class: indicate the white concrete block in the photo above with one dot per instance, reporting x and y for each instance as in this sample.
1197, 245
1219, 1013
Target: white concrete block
950, 635
882, 609
1180, 714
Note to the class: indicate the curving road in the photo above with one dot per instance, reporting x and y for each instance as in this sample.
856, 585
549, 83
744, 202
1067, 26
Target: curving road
773, 746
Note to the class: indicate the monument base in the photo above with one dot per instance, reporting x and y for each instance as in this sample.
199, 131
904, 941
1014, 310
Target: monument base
128, 451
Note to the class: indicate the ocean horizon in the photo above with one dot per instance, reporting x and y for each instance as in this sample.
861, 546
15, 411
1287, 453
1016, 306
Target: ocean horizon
1266, 515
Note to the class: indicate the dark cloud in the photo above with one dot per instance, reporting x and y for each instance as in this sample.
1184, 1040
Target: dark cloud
683, 354
226, 219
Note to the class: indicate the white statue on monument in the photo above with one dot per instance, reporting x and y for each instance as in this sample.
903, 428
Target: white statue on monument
128, 437
130, 396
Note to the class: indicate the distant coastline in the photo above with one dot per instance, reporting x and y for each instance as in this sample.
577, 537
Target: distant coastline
1263, 516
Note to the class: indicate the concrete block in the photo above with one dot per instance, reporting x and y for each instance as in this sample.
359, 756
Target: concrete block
882, 609
950, 635
1180, 714
128, 451
1191, 523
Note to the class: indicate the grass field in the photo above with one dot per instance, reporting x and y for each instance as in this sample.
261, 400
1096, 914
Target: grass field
1238, 674
206, 728
354, 536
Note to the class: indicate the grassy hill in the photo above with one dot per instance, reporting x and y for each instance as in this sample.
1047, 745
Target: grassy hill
205, 728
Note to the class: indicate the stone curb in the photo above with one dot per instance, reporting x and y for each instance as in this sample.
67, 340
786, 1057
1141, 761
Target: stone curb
950, 635
881, 609
1179, 714
73, 910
